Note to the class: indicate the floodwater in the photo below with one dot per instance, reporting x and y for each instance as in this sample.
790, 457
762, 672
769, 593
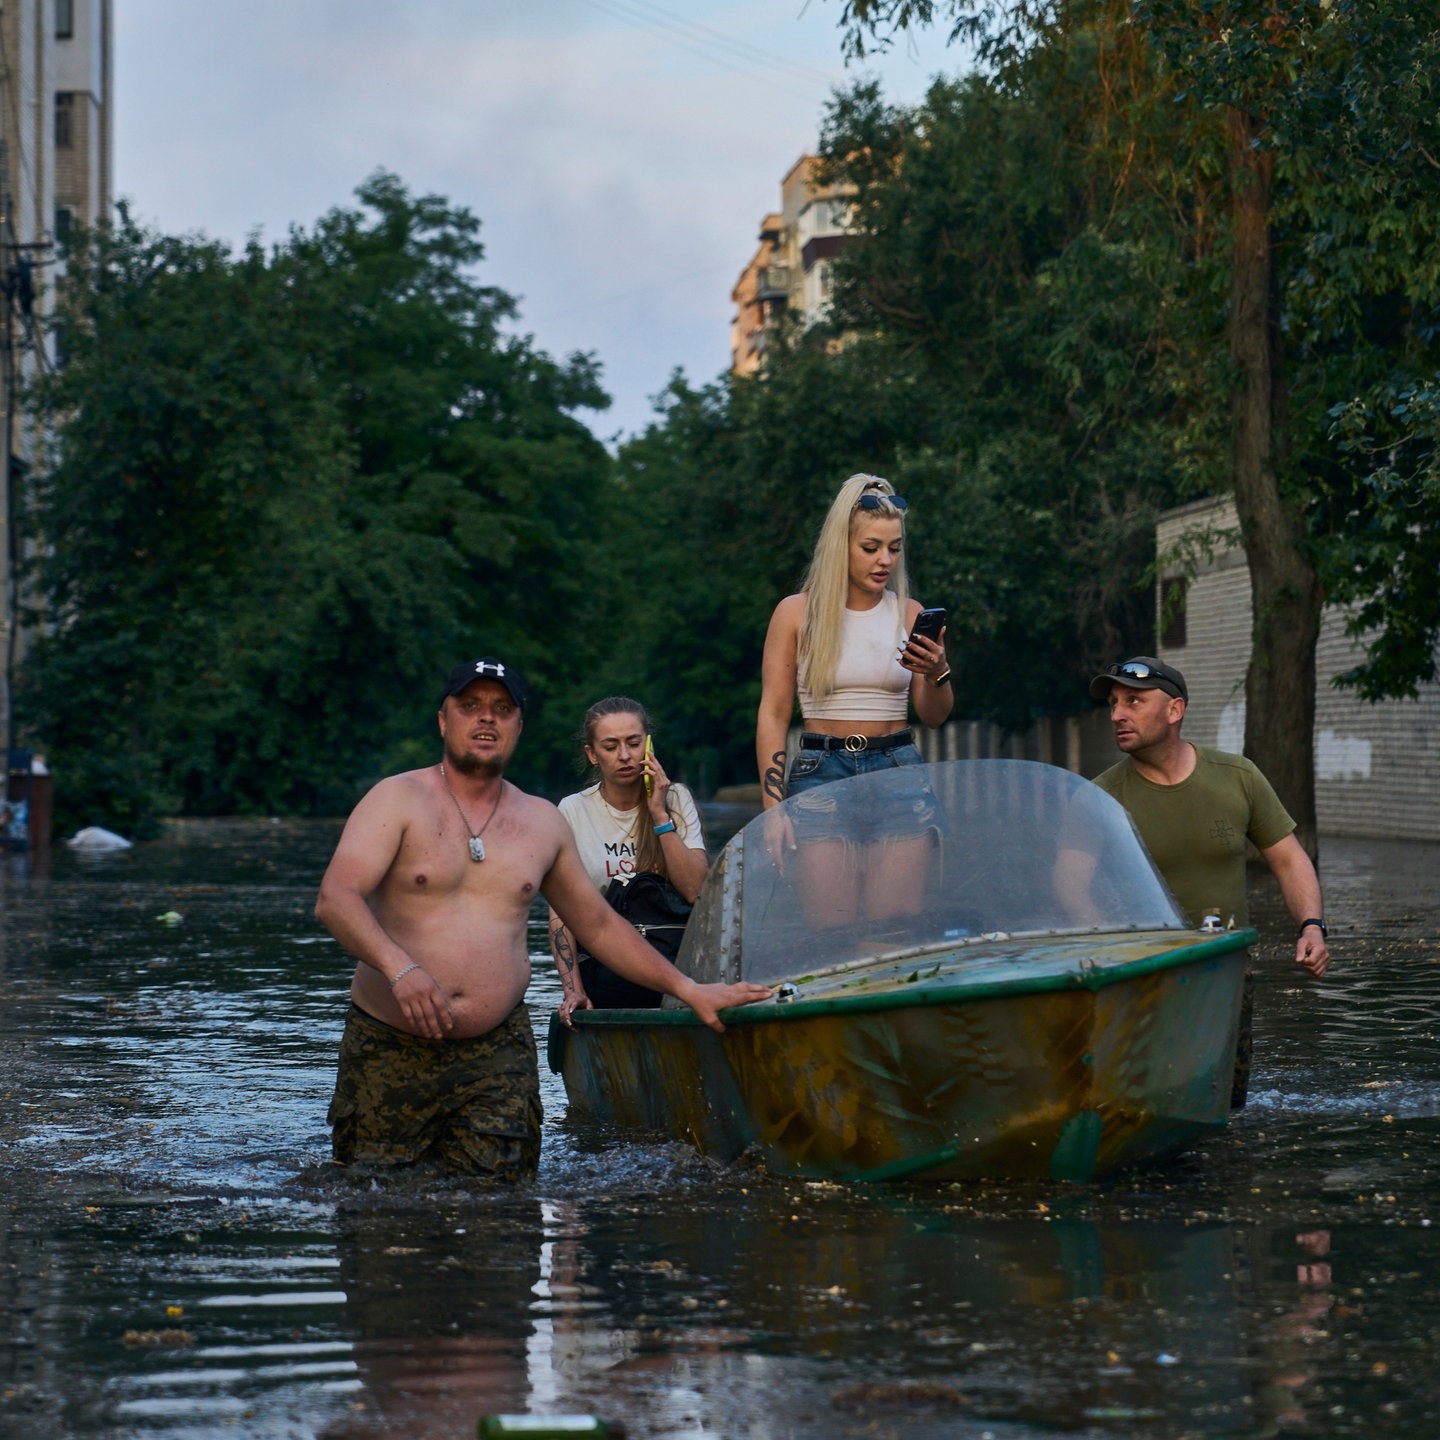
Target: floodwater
175, 1261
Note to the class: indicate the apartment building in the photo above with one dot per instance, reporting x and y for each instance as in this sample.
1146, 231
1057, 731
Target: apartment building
55, 131
760, 295
56, 170
791, 270
84, 164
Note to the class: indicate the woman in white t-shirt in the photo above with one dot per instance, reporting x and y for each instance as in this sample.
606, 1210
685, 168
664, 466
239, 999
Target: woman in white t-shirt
845, 647
622, 827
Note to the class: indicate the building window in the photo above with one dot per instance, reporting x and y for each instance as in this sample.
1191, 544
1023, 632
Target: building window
1173, 596
64, 120
64, 224
64, 19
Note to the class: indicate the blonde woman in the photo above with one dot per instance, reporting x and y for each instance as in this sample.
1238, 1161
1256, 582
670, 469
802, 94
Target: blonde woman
844, 645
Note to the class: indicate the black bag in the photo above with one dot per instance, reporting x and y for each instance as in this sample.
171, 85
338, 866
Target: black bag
659, 912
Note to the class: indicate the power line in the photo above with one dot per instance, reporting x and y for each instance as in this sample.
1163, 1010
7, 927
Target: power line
742, 49
737, 56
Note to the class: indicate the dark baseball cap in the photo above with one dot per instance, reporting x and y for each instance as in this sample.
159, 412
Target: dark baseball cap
1144, 672
487, 668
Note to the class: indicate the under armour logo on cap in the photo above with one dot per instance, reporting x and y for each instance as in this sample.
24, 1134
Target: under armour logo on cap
486, 668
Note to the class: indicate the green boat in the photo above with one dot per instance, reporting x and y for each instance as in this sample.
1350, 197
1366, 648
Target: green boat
977, 971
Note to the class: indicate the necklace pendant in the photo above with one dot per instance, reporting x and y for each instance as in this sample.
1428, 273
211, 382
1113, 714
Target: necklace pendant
477, 849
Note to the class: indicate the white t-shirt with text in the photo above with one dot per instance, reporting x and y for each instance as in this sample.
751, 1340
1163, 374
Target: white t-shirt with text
602, 833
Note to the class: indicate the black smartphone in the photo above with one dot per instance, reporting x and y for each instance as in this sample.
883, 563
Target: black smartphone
929, 623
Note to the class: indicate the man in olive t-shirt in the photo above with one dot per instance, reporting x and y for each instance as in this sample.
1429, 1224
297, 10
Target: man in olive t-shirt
1196, 829
1195, 809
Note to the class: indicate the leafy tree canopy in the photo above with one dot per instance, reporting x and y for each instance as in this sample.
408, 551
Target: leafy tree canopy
1343, 94
288, 489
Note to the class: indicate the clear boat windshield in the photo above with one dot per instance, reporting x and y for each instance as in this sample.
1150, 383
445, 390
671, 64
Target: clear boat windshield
921, 857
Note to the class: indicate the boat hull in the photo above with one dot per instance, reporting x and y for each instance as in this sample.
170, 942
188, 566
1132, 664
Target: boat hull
1069, 1072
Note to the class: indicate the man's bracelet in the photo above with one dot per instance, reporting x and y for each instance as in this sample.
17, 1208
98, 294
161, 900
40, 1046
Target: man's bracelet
416, 966
666, 828
1325, 933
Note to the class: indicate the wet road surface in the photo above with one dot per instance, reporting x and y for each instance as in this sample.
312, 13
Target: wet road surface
176, 1260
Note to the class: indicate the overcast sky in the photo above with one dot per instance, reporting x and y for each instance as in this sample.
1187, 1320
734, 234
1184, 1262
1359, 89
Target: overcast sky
618, 153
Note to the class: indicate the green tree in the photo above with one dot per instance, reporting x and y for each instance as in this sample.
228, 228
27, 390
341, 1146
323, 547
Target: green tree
1368, 314
1061, 413
287, 490
1318, 250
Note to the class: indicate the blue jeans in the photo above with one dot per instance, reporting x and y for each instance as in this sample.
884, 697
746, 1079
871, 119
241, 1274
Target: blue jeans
813, 815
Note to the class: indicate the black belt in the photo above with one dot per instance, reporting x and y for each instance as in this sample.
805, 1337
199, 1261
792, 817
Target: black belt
812, 741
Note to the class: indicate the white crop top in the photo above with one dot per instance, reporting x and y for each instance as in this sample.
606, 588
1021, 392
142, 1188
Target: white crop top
870, 681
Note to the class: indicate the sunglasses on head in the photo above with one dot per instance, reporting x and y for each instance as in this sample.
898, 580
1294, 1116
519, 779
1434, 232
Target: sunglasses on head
878, 502
1138, 670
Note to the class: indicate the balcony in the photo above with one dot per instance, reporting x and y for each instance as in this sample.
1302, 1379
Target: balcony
822, 247
773, 283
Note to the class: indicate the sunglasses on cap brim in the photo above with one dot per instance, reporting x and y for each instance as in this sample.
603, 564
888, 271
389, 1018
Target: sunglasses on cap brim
1137, 670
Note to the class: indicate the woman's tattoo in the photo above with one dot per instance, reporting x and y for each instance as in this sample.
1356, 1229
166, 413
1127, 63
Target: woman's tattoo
773, 780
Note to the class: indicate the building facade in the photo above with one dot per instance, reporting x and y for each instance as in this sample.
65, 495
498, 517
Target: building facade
56, 171
83, 129
791, 270
1377, 766
760, 296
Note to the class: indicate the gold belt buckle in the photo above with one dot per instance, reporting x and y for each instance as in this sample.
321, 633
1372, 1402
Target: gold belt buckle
855, 743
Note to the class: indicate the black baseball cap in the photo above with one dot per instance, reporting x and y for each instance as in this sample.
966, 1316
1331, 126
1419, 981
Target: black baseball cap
1144, 672
486, 668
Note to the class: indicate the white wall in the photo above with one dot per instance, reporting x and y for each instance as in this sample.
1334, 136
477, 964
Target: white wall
1377, 767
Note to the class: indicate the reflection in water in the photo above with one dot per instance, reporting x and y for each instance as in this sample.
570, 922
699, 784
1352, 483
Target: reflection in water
438, 1302
878, 1298
176, 1260
169, 1317
1300, 1329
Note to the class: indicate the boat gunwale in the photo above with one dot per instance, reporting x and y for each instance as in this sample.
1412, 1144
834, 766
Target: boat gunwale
918, 993
903, 953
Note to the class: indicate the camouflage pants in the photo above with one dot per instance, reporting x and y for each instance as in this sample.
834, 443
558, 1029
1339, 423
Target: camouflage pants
466, 1107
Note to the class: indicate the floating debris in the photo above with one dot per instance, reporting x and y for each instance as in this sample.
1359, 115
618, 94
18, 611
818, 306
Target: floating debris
96, 837
135, 1338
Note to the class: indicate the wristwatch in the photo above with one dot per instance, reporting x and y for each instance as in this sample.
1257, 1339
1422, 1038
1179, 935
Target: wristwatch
1323, 931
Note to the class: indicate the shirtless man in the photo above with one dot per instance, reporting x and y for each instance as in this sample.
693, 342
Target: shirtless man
430, 889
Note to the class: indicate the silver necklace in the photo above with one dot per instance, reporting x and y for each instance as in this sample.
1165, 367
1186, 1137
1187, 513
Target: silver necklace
477, 845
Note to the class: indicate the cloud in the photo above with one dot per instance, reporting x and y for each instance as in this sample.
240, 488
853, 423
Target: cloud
619, 153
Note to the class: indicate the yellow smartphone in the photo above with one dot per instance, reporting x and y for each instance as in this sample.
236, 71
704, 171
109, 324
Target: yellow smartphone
649, 751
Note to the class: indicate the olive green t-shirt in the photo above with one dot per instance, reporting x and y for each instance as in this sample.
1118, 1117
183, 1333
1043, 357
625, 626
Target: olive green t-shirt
1196, 831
